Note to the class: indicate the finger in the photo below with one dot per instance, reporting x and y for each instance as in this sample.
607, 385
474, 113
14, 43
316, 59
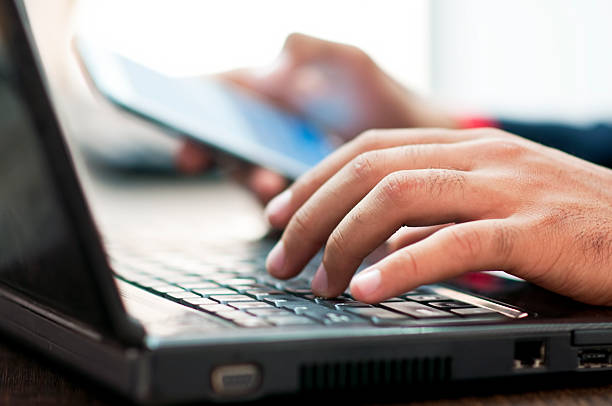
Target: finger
241, 77
406, 236
280, 82
314, 221
415, 198
193, 158
265, 183
280, 209
304, 49
472, 246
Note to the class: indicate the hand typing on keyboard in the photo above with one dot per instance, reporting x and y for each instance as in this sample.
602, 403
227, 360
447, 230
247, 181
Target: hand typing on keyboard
235, 289
487, 199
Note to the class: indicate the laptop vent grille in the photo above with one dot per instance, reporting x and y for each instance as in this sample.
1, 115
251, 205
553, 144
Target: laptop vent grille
381, 373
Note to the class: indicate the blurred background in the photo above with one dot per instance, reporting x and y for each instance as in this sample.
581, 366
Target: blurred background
514, 59
499, 58
522, 59
545, 59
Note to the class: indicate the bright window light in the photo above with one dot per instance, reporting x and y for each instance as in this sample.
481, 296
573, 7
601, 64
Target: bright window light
190, 37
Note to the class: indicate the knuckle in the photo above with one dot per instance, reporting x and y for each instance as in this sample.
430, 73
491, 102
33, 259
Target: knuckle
439, 182
496, 132
409, 265
358, 56
504, 241
395, 186
338, 245
369, 139
468, 242
294, 40
504, 147
491, 132
364, 165
399, 186
299, 225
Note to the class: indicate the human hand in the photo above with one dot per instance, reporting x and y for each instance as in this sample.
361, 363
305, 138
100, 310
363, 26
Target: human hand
194, 158
335, 85
490, 201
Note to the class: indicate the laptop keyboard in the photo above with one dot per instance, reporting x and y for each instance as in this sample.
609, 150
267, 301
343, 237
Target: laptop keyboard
234, 286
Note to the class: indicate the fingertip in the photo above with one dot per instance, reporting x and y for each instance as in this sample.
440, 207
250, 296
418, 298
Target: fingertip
193, 158
266, 184
278, 210
366, 286
275, 262
320, 282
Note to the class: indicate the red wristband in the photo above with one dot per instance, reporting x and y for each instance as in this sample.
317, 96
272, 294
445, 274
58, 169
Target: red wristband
476, 122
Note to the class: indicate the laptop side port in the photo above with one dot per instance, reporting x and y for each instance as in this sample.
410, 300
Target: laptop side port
529, 354
236, 379
595, 358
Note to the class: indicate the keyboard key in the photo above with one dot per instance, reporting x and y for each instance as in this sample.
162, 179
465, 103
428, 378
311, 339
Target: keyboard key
251, 305
232, 298
289, 320
214, 291
331, 302
167, 288
333, 318
240, 281
233, 315
263, 292
182, 295
183, 279
218, 277
376, 313
473, 311
298, 291
344, 306
417, 310
200, 285
198, 301
426, 298
451, 304
277, 300
251, 322
216, 308
245, 288
267, 311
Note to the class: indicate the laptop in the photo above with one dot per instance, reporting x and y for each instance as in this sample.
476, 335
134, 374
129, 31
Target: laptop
159, 325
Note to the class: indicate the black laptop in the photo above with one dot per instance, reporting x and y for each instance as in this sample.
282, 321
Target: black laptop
160, 325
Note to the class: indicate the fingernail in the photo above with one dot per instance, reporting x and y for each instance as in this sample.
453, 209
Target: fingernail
276, 259
278, 208
319, 282
367, 282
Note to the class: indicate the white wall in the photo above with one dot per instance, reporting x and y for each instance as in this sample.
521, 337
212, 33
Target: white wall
184, 37
525, 58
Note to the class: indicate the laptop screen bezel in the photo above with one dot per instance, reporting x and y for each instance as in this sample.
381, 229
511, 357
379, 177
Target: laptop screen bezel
35, 91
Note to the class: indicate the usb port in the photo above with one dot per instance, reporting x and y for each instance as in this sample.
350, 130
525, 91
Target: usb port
595, 358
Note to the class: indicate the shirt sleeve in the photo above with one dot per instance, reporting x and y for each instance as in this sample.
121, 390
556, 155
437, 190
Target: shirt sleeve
592, 142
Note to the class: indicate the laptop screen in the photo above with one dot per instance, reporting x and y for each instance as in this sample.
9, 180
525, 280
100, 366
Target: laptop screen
41, 256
